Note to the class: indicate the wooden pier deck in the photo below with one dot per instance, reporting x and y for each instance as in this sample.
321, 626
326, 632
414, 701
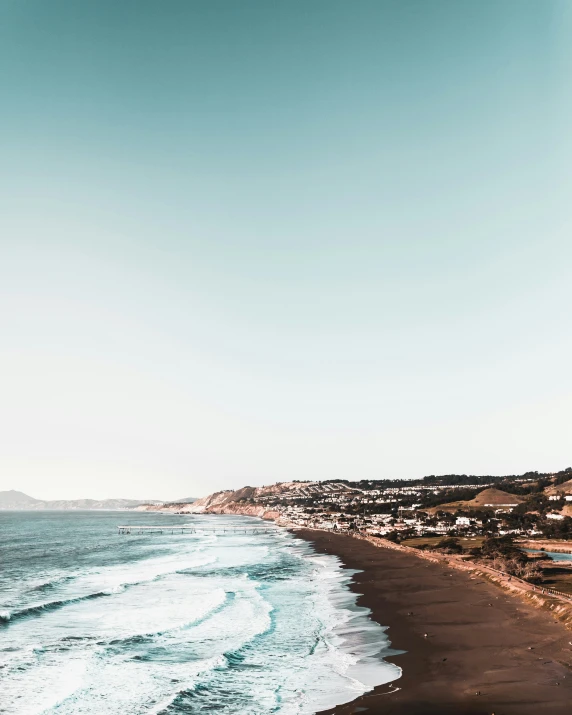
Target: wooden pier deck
192, 529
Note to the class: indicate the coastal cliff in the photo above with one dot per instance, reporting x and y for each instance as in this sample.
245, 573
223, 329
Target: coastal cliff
245, 501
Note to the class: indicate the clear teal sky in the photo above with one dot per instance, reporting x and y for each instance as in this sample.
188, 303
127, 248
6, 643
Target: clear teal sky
250, 241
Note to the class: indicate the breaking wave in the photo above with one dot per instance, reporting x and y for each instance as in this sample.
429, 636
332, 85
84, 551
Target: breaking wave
38, 610
177, 625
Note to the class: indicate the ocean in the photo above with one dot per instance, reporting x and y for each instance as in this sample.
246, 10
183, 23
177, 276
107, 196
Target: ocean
92, 622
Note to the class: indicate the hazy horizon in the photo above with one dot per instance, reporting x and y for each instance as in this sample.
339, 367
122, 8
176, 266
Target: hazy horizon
181, 498
252, 242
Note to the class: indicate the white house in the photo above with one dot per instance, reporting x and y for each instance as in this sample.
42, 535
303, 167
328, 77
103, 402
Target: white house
442, 527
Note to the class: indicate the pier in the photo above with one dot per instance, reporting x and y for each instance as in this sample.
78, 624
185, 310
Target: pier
192, 529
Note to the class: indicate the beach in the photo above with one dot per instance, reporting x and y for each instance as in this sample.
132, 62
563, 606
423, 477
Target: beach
470, 648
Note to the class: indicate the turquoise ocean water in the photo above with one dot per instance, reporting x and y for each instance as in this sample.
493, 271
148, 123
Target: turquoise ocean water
96, 623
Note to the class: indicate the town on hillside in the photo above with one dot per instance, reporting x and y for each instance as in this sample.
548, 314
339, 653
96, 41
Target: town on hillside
507, 524
510, 523
531, 505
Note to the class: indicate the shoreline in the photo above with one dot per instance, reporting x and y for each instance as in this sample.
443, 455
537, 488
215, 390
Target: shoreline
480, 639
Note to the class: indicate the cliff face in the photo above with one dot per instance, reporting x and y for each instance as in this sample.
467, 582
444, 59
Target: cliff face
246, 510
232, 502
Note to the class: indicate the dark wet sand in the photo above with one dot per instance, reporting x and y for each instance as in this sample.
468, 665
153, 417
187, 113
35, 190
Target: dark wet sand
478, 639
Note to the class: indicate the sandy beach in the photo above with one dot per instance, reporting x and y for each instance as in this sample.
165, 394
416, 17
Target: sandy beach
485, 652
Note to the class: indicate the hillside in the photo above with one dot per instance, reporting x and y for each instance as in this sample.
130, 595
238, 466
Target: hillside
495, 497
564, 488
18, 501
487, 499
239, 501
254, 501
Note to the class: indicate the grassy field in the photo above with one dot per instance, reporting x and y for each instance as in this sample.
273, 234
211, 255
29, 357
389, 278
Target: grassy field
466, 542
558, 578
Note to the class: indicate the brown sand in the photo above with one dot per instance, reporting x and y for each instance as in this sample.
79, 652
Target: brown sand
478, 639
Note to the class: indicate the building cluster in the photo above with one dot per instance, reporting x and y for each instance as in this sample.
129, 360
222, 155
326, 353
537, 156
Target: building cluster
381, 511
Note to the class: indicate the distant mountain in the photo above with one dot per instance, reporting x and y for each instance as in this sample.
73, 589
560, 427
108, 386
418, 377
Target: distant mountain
18, 501
177, 506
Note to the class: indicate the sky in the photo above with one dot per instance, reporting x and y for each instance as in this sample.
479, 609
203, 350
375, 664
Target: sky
243, 242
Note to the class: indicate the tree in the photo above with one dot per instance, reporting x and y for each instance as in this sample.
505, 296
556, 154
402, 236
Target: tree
503, 555
450, 545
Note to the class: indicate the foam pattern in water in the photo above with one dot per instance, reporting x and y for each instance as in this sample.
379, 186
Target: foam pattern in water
96, 623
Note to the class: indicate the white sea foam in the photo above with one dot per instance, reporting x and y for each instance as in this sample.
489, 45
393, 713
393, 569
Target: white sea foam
44, 690
244, 623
